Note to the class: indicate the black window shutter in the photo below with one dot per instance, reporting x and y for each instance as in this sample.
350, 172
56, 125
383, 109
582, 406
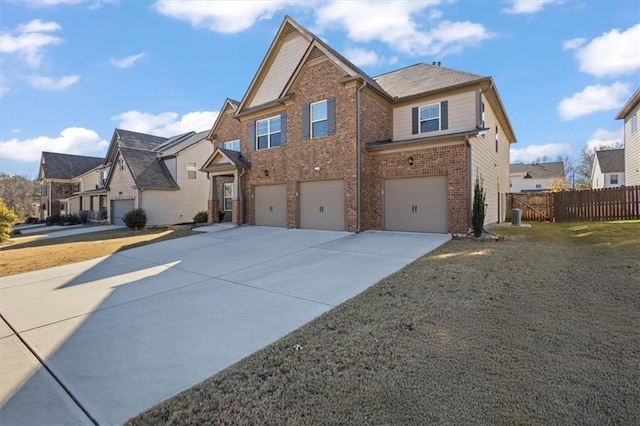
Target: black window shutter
283, 128
305, 121
252, 136
414, 121
444, 115
331, 116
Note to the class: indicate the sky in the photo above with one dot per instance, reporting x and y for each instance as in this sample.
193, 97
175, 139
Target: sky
72, 71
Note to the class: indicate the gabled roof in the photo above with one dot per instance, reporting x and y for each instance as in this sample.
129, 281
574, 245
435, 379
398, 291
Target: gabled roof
223, 159
421, 78
148, 171
66, 166
629, 106
538, 170
228, 103
611, 160
129, 139
173, 141
182, 144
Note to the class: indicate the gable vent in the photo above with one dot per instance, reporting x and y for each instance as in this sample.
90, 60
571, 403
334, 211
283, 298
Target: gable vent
315, 54
288, 30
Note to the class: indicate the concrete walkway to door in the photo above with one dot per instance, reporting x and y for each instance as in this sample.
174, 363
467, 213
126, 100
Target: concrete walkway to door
103, 340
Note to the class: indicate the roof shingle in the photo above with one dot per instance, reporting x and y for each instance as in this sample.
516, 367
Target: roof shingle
148, 170
67, 166
611, 160
538, 170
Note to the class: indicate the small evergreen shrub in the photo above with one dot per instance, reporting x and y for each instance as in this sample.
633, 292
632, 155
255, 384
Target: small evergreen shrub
135, 219
72, 219
55, 219
477, 217
84, 217
104, 215
201, 217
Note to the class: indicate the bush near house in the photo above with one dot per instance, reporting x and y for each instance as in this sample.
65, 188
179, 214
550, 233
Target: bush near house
84, 217
201, 217
135, 219
477, 218
7, 219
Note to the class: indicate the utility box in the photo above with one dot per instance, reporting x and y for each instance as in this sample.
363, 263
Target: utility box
516, 217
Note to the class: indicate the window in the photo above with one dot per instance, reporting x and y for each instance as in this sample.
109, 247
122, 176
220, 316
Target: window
497, 138
103, 177
191, 170
319, 119
430, 118
122, 164
268, 133
634, 123
538, 185
228, 196
614, 179
484, 117
232, 145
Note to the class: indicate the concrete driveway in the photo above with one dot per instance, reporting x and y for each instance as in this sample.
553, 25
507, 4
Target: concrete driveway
102, 340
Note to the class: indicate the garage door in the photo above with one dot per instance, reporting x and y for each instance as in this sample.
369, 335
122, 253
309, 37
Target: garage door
118, 210
322, 205
271, 205
416, 204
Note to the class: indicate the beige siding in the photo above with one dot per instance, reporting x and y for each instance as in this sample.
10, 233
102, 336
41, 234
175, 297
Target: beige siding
493, 166
90, 180
632, 150
170, 207
462, 115
74, 205
519, 184
121, 186
285, 62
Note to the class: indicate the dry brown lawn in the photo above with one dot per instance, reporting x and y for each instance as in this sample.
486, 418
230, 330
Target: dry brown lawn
543, 328
27, 253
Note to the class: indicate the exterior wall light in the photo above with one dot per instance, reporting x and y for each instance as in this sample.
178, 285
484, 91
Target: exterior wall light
265, 172
410, 161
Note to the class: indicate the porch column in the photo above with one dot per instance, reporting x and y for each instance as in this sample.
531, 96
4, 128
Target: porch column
213, 204
235, 203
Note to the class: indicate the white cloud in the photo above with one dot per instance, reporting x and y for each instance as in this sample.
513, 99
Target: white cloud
593, 99
72, 140
606, 138
435, 14
399, 24
166, 123
531, 153
221, 16
127, 61
526, 6
28, 40
3, 90
362, 57
48, 83
613, 53
574, 43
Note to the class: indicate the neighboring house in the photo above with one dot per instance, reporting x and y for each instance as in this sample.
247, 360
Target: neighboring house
629, 113
317, 143
159, 175
59, 178
535, 177
608, 169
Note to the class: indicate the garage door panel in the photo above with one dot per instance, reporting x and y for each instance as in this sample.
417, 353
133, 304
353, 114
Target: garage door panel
119, 208
322, 205
271, 205
416, 204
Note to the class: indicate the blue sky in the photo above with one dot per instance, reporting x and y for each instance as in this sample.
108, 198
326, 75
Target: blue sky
74, 70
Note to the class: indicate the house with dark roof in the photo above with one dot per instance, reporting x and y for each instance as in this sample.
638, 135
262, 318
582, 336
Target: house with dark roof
62, 177
535, 177
608, 169
629, 113
317, 143
157, 174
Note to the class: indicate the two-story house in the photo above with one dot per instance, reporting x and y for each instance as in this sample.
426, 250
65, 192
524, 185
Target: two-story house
535, 177
157, 174
629, 113
60, 178
317, 143
608, 169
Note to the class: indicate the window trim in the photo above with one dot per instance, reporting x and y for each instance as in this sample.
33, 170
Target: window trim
420, 120
611, 179
269, 133
193, 169
312, 121
234, 141
225, 198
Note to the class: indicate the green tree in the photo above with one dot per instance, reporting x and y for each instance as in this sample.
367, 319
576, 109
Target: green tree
7, 219
477, 217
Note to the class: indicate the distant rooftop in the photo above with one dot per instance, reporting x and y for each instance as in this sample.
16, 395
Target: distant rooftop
538, 170
611, 160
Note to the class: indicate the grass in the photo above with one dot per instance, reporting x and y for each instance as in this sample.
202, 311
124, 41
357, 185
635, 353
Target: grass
28, 253
543, 328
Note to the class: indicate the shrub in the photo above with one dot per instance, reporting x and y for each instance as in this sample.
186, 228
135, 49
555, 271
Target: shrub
32, 220
201, 217
71, 219
103, 214
16, 232
7, 219
220, 216
135, 219
477, 217
55, 219
84, 217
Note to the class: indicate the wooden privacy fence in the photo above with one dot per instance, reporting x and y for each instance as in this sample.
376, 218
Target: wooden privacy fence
596, 204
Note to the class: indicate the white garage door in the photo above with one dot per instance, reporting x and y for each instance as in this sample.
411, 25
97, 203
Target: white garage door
322, 205
271, 205
118, 210
416, 204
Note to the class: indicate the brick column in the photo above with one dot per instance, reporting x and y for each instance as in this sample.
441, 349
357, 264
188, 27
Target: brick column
235, 212
213, 204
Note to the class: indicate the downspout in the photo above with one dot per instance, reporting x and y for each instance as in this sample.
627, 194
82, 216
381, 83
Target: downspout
50, 198
469, 164
358, 160
241, 198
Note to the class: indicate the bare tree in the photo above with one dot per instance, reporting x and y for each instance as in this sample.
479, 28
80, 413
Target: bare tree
18, 193
584, 167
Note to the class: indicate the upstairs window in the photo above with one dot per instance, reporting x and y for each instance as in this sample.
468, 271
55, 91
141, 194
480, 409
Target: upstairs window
192, 170
232, 145
430, 118
614, 179
634, 123
497, 138
319, 119
268, 133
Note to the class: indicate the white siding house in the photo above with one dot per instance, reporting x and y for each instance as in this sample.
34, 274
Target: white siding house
629, 113
535, 177
608, 169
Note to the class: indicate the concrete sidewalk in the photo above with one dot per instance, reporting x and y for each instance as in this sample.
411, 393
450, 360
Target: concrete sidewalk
127, 331
65, 231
